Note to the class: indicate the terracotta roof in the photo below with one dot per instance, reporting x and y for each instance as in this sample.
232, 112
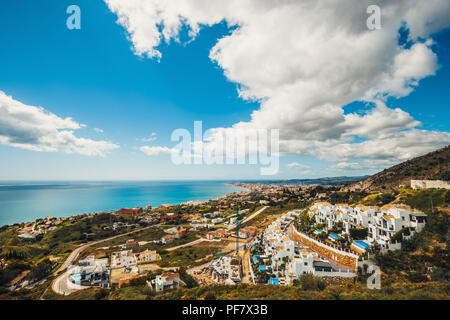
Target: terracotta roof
170, 275
388, 217
324, 203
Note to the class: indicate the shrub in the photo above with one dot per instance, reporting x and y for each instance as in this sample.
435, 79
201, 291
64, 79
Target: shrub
311, 282
210, 296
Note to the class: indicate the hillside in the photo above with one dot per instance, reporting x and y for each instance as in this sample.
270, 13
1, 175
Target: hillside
433, 166
327, 181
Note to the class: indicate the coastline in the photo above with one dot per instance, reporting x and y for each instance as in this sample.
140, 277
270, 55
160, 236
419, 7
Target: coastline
67, 216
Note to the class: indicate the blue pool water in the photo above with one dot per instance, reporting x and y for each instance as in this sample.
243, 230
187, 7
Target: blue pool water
76, 277
28, 201
362, 244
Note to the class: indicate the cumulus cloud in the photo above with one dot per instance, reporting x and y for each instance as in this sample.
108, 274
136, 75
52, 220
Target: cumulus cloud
362, 165
155, 151
151, 138
304, 61
297, 165
34, 128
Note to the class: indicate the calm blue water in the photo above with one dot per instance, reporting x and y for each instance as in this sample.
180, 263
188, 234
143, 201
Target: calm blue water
28, 201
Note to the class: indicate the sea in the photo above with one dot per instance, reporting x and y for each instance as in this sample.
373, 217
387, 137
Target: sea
28, 201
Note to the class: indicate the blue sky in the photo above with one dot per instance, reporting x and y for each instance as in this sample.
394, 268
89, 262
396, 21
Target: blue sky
93, 76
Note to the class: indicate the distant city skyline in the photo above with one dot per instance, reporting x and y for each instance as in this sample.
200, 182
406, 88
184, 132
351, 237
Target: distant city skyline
101, 103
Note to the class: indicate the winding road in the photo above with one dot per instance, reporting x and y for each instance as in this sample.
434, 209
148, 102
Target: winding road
59, 283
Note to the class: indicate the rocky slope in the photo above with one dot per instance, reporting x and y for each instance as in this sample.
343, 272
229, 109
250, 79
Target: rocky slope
432, 166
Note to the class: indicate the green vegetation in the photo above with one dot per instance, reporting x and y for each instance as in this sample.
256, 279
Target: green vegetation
425, 199
348, 291
310, 282
359, 233
424, 257
187, 256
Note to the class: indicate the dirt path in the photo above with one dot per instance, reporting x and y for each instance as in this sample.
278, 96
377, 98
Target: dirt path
246, 267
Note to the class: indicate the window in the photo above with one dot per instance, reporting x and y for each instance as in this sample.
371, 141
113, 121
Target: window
306, 263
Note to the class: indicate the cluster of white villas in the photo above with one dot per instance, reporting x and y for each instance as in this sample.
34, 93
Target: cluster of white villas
298, 261
382, 223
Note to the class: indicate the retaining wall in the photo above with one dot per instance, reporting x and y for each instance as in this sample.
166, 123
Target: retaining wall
342, 257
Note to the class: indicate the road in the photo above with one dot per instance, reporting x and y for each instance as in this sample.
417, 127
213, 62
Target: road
187, 244
246, 267
75, 253
59, 285
248, 218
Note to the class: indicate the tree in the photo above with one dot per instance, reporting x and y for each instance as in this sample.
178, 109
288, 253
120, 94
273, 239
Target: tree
359, 233
188, 279
386, 198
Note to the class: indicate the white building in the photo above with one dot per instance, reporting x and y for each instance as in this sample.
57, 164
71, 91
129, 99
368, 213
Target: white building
225, 270
429, 184
147, 256
165, 281
123, 259
382, 223
217, 220
90, 270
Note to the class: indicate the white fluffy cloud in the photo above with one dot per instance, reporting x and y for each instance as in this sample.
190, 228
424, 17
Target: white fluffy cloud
305, 60
297, 165
155, 151
34, 128
151, 138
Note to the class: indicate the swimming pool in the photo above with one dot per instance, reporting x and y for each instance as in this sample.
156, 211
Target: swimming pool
334, 236
76, 277
361, 244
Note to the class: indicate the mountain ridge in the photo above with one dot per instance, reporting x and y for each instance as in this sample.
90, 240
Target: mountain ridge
434, 165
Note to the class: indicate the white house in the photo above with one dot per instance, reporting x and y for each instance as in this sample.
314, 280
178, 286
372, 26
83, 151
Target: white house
123, 259
90, 270
165, 281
